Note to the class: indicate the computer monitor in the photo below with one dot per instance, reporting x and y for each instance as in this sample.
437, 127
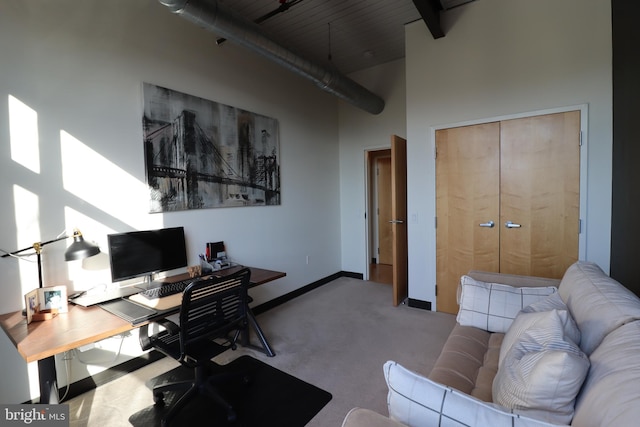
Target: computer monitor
144, 253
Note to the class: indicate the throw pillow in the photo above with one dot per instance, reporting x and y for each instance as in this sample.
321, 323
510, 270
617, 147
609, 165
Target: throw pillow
416, 401
493, 306
542, 372
554, 301
546, 304
528, 319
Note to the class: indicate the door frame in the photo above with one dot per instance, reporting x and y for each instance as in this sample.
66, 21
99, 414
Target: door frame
371, 201
400, 277
584, 130
370, 236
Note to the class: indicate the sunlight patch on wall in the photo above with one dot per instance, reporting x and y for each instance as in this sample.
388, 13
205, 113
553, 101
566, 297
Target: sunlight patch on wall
94, 179
23, 133
27, 230
94, 271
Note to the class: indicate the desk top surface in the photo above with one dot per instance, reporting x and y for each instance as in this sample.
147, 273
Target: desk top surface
81, 325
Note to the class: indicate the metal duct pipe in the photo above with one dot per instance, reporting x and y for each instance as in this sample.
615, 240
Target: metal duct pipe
213, 16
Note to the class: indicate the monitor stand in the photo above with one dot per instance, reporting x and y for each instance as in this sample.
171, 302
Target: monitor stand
149, 283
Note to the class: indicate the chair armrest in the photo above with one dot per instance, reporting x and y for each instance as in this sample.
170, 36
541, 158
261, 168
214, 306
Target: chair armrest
143, 336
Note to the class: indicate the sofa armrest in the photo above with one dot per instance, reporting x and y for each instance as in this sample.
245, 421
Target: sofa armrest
513, 279
420, 402
359, 417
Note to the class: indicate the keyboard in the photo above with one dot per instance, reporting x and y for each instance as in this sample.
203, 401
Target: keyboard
166, 289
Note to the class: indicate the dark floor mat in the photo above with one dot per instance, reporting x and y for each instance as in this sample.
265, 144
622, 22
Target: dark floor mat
271, 398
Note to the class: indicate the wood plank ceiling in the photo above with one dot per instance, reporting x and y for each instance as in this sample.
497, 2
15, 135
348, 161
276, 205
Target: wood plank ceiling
346, 35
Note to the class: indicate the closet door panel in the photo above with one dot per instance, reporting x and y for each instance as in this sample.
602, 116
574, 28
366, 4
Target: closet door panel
540, 193
467, 195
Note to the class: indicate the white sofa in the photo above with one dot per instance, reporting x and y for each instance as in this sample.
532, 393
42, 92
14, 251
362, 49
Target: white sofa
517, 373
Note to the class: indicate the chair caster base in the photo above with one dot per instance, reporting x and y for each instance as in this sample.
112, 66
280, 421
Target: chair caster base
158, 400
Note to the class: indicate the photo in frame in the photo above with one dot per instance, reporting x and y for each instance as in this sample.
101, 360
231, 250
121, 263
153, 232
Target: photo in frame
203, 154
53, 297
32, 304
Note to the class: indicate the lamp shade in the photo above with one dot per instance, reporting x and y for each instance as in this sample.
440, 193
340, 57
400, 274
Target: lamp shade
80, 249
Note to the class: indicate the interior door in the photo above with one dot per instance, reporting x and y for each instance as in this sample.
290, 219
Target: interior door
399, 221
467, 206
384, 211
540, 194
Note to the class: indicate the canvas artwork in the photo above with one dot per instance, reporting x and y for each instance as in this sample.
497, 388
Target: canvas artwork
203, 154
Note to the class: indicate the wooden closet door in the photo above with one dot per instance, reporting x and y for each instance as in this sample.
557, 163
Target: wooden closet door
540, 191
467, 195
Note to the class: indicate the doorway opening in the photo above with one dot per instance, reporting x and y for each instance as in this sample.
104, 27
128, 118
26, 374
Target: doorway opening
379, 248
387, 224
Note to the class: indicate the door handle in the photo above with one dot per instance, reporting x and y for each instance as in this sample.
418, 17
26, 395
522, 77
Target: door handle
489, 224
510, 224
396, 221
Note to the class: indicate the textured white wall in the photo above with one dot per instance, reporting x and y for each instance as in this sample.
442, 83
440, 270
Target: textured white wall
499, 58
74, 70
360, 131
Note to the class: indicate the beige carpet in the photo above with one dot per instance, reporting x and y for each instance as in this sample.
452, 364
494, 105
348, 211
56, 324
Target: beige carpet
336, 337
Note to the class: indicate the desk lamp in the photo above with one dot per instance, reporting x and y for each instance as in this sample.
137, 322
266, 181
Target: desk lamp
79, 249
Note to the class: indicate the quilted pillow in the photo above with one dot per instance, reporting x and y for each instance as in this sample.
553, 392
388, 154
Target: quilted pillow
417, 402
542, 372
528, 319
493, 306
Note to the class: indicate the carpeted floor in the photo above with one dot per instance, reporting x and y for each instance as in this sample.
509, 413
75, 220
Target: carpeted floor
336, 337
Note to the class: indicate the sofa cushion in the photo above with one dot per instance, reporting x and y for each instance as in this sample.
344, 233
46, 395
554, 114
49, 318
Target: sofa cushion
469, 361
418, 402
598, 303
359, 417
493, 306
527, 319
610, 395
543, 371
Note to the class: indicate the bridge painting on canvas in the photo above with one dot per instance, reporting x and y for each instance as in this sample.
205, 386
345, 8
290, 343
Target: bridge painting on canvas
202, 154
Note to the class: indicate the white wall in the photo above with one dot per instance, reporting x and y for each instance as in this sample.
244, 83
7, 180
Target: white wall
74, 69
503, 57
360, 131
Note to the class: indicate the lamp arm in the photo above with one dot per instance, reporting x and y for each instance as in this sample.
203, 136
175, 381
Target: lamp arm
79, 249
36, 246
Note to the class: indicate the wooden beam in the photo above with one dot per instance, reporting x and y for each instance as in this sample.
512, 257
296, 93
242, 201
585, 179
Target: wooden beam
430, 12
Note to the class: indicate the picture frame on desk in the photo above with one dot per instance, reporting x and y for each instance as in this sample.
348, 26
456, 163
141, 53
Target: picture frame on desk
53, 298
32, 304
45, 303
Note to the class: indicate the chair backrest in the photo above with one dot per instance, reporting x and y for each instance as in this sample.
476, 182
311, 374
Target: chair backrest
211, 308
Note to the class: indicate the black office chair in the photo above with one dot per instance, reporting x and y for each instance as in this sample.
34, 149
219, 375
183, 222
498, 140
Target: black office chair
212, 309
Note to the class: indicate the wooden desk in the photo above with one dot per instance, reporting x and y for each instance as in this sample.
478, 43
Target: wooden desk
41, 341
78, 327
259, 276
